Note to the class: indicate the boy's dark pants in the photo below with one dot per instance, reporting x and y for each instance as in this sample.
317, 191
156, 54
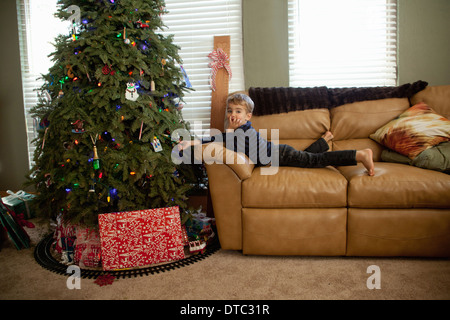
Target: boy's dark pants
315, 156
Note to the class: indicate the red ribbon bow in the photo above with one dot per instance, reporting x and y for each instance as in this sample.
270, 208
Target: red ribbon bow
20, 218
220, 60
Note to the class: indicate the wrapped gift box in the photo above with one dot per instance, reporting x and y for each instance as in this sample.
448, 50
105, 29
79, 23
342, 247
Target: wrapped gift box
201, 221
15, 231
87, 248
77, 244
64, 229
138, 238
68, 249
19, 203
199, 225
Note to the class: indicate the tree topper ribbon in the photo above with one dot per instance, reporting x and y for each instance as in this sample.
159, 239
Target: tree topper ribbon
220, 60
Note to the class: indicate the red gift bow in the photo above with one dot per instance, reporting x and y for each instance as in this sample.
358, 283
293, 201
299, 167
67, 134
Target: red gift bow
220, 60
24, 223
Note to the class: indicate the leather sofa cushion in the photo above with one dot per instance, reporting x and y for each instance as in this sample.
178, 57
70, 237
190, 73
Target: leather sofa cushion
305, 124
396, 186
398, 232
319, 231
359, 144
361, 119
437, 97
295, 188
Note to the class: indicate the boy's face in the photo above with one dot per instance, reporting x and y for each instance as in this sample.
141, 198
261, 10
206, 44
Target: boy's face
236, 112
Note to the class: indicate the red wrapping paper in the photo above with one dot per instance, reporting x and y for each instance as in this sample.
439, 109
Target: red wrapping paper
63, 230
87, 248
139, 238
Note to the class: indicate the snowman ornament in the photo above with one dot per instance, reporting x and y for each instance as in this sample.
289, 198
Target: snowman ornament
131, 92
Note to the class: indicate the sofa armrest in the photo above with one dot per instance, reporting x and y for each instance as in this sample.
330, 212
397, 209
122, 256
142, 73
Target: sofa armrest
226, 171
226, 191
216, 153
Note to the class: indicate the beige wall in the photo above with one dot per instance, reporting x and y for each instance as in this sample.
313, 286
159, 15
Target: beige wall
13, 139
265, 29
424, 54
424, 41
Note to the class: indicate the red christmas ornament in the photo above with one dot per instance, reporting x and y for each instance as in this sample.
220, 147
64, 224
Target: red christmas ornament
106, 70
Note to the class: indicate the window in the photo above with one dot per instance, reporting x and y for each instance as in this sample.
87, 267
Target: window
346, 43
37, 29
194, 25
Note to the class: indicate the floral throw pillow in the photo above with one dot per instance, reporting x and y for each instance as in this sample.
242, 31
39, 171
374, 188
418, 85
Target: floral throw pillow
414, 131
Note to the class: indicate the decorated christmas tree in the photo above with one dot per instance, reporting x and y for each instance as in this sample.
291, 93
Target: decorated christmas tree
108, 108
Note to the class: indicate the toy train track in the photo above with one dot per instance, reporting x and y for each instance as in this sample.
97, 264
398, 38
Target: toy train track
43, 256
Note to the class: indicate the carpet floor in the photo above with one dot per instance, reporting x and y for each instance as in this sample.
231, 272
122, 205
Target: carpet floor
230, 275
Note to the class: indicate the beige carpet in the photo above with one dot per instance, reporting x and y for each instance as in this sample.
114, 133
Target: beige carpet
232, 276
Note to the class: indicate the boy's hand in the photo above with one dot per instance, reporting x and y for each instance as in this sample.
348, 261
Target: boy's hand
234, 123
184, 144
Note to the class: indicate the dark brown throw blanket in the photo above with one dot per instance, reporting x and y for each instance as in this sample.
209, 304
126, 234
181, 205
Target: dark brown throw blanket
280, 100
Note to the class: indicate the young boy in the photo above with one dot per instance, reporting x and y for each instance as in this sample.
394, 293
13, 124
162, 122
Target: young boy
238, 114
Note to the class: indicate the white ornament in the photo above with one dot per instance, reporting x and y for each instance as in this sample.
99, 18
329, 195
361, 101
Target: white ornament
157, 145
131, 92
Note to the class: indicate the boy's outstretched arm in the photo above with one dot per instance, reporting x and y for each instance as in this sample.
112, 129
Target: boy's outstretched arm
187, 144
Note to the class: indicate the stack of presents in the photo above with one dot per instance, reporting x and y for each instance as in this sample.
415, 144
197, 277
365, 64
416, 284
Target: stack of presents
122, 240
133, 239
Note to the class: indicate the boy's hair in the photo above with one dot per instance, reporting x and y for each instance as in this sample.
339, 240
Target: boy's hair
242, 100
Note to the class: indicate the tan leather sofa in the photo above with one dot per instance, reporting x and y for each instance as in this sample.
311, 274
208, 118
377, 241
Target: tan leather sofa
401, 211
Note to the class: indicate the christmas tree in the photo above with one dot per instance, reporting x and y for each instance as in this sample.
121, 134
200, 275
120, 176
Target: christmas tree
110, 104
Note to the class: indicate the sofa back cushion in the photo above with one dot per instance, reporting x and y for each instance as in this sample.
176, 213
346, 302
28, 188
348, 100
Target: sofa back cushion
436, 97
297, 128
353, 123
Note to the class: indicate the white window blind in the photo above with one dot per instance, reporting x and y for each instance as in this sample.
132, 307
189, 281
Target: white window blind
37, 28
345, 43
193, 24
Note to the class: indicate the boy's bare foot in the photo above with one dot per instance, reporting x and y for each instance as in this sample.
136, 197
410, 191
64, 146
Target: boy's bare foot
365, 156
327, 136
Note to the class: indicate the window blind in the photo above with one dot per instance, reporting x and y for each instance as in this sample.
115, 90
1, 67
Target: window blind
37, 28
193, 24
346, 43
